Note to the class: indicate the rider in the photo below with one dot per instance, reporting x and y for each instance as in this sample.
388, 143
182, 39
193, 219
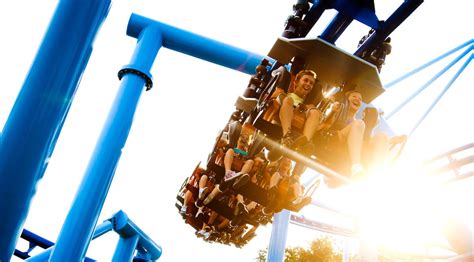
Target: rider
295, 100
231, 177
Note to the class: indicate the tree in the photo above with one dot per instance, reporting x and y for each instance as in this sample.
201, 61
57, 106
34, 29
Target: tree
320, 250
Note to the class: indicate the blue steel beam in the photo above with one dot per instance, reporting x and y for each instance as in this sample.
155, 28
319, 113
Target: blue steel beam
362, 11
103, 228
418, 69
337, 26
387, 27
199, 46
314, 13
126, 248
446, 88
429, 82
276, 249
33, 126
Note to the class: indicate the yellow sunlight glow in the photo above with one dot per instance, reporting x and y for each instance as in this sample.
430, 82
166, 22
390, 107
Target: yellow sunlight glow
400, 210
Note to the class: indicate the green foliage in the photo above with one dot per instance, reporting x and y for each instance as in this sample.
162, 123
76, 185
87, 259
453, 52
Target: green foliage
320, 250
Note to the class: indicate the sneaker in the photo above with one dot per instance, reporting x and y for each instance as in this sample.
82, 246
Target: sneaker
199, 213
208, 199
230, 175
288, 140
206, 235
240, 208
211, 195
198, 203
235, 221
268, 211
203, 192
199, 233
301, 202
183, 210
241, 181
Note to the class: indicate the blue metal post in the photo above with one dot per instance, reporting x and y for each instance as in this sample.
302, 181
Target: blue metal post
314, 13
126, 248
33, 126
346, 252
82, 217
276, 249
418, 69
440, 73
402, 13
458, 73
337, 26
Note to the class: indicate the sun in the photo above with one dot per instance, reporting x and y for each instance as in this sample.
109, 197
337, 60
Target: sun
403, 210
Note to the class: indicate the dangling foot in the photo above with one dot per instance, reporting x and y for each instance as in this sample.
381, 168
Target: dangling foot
288, 140
202, 192
200, 213
240, 181
211, 195
240, 208
303, 146
183, 210
301, 202
230, 175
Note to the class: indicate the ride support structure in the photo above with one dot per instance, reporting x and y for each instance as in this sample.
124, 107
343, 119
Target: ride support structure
25, 153
36, 119
151, 35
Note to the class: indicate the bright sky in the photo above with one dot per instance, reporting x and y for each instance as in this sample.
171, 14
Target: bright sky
172, 132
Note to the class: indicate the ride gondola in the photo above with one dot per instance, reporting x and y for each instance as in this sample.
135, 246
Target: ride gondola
223, 217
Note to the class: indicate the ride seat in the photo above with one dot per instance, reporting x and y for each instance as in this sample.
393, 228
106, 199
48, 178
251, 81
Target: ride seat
246, 104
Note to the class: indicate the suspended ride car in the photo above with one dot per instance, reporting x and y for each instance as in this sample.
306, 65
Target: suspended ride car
227, 198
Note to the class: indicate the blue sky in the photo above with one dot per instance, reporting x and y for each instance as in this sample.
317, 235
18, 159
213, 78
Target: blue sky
164, 145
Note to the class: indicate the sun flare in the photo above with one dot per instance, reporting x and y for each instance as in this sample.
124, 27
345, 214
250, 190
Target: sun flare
404, 210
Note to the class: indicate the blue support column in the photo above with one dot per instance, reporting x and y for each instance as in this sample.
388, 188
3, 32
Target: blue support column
337, 26
126, 248
314, 13
83, 215
276, 249
346, 251
33, 126
402, 13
